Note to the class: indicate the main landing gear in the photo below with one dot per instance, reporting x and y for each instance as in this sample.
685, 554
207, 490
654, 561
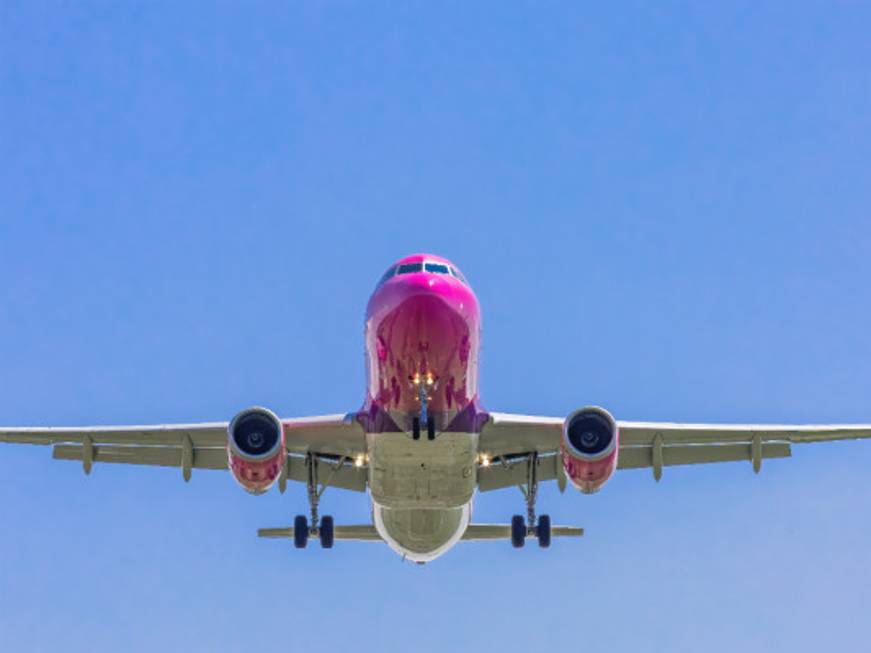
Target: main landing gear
321, 527
521, 528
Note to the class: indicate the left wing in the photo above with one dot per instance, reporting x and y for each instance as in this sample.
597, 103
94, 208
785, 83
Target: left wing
647, 444
201, 446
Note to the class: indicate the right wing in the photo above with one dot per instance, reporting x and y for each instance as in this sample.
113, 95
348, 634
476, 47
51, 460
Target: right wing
507, 439
662, 444
203, 445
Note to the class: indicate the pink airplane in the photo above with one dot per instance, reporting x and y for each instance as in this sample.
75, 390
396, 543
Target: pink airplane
422, 444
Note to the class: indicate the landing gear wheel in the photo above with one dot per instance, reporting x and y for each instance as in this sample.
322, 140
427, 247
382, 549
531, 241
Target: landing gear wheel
518, 531
300, 531
415, 428
543, 531
430, 429
325, 532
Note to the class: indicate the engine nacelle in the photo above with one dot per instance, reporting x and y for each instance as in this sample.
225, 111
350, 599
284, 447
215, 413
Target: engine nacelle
256, 449
589, 448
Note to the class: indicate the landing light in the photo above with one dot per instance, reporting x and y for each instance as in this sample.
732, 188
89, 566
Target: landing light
428, 378
484, 460
359, 460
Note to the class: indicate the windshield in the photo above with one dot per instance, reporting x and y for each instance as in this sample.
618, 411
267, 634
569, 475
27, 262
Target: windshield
408, 268
436, 268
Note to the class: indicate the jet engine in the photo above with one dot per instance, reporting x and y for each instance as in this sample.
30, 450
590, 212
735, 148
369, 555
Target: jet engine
256, 449
589, 448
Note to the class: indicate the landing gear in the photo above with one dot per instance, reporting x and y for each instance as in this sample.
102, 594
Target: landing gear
326, 532
542, 531
521, 529
424, 418
321, 527
430, 428
518, 531
300, 531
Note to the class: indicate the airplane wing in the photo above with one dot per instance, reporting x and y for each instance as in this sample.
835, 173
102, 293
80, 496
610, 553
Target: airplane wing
203, 446
507, 438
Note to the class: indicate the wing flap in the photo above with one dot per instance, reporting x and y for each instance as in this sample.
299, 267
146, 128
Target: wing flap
643, 433
133, 455
505, 474
640, 457
342, 474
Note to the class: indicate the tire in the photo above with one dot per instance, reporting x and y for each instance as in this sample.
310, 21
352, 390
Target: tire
325, 532
415, 428
543, 531
518, 531
430, 428
300, 531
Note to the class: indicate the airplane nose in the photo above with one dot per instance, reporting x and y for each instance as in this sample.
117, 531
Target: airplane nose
422, 281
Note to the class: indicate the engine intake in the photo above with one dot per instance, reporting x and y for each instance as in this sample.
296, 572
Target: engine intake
589, 448
591, 432
256, 433
256, 449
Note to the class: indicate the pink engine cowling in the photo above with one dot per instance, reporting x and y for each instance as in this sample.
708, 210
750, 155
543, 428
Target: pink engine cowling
589, 447
256, 449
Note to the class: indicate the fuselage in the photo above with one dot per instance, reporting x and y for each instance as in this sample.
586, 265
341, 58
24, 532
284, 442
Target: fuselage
423, 341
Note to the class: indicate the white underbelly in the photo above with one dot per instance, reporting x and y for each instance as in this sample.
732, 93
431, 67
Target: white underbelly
421, 534
422, 474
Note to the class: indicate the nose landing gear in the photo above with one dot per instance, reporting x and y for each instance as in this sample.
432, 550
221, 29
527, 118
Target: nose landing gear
522, 529
430, 429
425, 417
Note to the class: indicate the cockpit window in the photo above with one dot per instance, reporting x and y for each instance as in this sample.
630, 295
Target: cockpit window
429, 266
408, 268
387, 276
437, 268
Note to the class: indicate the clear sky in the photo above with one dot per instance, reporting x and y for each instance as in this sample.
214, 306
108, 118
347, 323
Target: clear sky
663, 207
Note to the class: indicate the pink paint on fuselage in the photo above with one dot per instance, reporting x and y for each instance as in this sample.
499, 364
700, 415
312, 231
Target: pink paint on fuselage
422, 325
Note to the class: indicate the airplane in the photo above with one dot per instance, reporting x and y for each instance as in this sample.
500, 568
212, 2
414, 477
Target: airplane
422, 444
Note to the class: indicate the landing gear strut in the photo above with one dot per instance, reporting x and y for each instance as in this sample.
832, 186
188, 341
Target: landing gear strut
520, 529
425, 417
321, 527
430, 428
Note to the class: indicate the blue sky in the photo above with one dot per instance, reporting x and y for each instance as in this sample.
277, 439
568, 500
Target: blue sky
664, 209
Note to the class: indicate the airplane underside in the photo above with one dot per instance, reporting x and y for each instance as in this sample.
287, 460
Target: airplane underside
422, 490
421, 534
